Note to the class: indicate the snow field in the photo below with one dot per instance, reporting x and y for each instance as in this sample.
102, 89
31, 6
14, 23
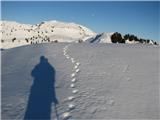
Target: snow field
114, 81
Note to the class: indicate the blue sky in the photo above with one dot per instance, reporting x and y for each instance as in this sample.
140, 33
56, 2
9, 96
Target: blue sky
139, 18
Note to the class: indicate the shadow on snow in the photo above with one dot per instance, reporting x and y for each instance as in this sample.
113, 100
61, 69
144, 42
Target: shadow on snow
42, 92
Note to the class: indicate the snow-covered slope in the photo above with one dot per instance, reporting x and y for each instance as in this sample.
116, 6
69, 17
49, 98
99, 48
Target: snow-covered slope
14, 34
101, 38
114, 81
107, 38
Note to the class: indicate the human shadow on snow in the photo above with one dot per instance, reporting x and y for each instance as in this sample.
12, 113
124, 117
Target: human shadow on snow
42, 92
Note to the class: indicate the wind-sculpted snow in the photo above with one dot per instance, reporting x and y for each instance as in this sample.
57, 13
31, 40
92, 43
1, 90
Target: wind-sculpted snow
92, 81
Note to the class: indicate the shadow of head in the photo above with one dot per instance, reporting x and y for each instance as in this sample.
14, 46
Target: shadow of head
42, 92
43, 59
44, 70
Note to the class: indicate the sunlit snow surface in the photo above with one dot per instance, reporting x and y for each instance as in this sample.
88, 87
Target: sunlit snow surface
114, 81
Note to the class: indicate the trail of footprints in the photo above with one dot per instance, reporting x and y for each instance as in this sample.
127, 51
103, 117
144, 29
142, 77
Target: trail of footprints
70, 99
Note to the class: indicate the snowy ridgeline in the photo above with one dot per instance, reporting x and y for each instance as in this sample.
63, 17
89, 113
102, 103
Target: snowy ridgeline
14, 34
91, 81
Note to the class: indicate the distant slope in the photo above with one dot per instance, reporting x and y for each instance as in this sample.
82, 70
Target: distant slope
116, 81
101, 38
15, 34
116, 37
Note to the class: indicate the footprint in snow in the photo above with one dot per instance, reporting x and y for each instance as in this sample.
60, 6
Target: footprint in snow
71, 106
77, 63
67, 57
111, 102
73, 61
70, 98
77, 70
75, 91
72, 85
64, 53
66, 115
73, 75
73, 80
75, 66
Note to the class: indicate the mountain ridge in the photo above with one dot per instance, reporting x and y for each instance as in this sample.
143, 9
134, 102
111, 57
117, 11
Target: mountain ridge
15, 34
